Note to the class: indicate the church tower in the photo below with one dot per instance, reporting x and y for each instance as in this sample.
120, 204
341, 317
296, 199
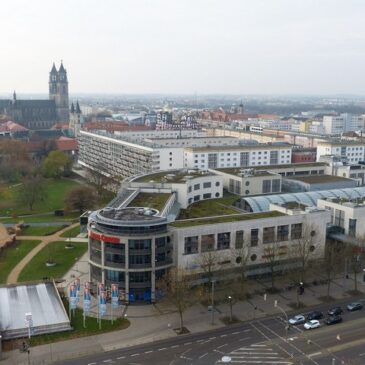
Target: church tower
76, 119
58, 91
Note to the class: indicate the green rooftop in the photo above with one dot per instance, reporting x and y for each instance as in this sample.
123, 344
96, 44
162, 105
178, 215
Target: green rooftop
173, 176
211, 207
226, 218
150, 200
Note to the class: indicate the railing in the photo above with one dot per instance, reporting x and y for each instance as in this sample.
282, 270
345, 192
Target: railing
170, 202
129, 199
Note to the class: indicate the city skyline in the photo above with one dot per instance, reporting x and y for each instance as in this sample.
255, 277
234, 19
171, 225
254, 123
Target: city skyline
203, 47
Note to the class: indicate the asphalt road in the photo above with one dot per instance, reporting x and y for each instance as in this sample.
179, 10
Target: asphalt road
257, 342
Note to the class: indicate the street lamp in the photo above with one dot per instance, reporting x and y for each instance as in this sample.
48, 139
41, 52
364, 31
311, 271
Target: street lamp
276, 305
230, 307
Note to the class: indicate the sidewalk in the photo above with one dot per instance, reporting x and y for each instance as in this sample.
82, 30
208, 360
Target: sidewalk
155, 322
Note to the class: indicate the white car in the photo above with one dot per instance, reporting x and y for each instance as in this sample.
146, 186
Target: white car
298, 319
312, 324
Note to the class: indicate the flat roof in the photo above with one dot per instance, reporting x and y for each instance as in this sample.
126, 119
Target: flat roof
225, 218
262, 146
236, 171
40, 299
317, 179
342, 142
150, 200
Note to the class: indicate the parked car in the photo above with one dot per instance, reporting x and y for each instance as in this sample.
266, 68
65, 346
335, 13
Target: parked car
335, 311
314, 315
334, 319
355, 306
298, 319
312, 324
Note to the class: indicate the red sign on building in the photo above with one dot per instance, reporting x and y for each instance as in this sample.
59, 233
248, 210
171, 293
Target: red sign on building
102, 237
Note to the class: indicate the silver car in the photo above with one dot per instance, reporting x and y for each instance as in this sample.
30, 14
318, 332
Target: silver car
298, 319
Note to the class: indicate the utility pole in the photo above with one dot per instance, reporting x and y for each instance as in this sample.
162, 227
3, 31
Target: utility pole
276, 305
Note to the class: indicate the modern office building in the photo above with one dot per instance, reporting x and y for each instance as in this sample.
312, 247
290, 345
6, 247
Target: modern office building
171, 219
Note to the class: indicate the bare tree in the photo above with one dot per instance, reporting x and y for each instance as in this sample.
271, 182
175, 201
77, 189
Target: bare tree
176, 285
354, 256
333, 260
101, 179
32, 190
81, 198
272, 253
240, 255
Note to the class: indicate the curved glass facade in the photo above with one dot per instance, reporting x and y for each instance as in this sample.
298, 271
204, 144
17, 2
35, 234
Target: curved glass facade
134, 262
262, 203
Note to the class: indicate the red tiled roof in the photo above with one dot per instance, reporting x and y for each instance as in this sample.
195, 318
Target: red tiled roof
66, 144
10, 126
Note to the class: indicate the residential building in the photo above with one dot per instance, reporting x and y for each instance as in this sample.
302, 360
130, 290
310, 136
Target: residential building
337, 124
351, 152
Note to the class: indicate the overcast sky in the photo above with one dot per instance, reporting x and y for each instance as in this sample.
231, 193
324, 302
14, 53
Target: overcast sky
185, 46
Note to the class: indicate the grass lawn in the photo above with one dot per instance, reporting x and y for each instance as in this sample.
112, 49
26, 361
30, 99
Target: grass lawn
12, 255
37, 269
41, 231
56, 191
211, 207
71, 217
92, 328
72, 232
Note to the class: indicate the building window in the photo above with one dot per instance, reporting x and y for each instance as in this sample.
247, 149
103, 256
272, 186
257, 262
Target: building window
296, 231
244, 159
239, 239
352, 227
266, 186
217, 195
196, 186
207, 196
217, 183
339, 218
207, 185
189, 189
196, 198
207, 242
139, 244
212, 160
274, 159
254, 237
268, 235
223, 240
247, 192
191, 245
275, 187
283, 233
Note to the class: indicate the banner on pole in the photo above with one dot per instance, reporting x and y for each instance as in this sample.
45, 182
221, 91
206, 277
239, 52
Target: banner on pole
115, 295
102, 303
73, 296
87, 298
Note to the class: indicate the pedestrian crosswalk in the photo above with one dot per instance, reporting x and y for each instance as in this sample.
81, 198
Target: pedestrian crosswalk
256, 354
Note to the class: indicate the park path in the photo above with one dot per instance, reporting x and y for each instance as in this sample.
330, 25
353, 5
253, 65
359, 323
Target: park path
45, 240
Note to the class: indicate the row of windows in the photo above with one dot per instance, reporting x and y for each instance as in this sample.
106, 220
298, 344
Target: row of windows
222, 241
205, 185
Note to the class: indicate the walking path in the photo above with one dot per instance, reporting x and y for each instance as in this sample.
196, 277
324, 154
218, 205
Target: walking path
45, 240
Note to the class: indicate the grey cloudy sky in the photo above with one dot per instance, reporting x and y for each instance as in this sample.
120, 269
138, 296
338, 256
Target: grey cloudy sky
185, 46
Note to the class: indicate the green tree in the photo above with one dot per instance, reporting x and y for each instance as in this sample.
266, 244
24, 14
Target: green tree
32, 190
81, 198
56, 164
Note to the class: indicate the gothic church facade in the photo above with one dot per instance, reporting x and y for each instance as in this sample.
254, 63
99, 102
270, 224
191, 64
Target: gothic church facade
42, 114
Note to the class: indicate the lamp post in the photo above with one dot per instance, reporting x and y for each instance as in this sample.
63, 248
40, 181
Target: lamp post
213, 281
230, 307
276, 305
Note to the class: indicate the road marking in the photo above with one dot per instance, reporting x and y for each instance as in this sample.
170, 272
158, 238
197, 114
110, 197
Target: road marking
148, 352
248, 330
108, 360
362, 354
223, 335
200, 341
187, 343
212, 338
92, 363
244, 338
134, 355
173, 347
235, 333
120, 357
315, 354
200, 357
222, 346
162, 348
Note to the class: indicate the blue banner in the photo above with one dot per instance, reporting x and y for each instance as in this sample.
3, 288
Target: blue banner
73, 296
115, 295
87, 298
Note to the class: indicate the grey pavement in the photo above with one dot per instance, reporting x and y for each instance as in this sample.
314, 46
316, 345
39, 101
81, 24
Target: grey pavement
150, 323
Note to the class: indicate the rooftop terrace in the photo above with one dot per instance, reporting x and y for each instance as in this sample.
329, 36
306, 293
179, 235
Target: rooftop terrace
174, 176
150, 200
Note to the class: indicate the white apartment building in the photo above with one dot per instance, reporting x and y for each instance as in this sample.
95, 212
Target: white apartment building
337, 124
237, 156
348, 151
133, 153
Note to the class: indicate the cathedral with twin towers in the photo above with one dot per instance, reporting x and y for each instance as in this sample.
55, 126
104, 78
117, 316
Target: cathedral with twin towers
42, 113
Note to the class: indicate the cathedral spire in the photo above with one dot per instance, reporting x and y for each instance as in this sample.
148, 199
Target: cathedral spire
62, 69
72, 108
78, 109
54, 70
14, 96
